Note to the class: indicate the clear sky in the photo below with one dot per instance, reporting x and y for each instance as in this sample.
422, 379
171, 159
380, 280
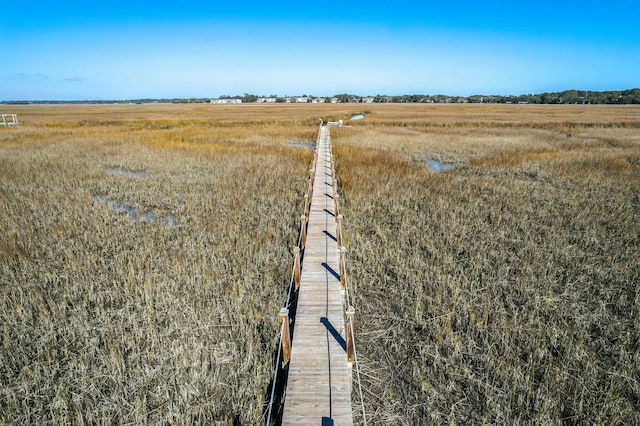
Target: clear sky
78, 50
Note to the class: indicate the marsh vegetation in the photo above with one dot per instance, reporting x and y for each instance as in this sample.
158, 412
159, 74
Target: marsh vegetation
502, 290
143, 260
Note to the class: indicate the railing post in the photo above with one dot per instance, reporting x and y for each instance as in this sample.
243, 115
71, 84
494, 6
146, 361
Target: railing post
339, 231
342, 250
350, 343
335, 181
286, 338
310, 190
307, 206
296, 266
303, 231
335, 205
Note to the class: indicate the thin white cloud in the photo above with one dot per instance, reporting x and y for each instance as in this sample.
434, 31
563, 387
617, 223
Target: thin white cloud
33, 75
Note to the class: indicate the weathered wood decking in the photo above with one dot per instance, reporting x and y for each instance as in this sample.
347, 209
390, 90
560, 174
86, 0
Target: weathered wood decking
319, 384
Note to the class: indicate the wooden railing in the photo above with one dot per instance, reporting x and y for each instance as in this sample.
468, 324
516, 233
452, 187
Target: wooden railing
9, 119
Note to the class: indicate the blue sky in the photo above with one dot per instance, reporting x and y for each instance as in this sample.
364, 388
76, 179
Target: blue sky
77, 50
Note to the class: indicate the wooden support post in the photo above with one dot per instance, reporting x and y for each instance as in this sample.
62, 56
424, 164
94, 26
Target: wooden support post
339, 231
335, 181
286, 337
350, 343
307, 205
310, 191
335, 205
303, 231
296, 266
343, 282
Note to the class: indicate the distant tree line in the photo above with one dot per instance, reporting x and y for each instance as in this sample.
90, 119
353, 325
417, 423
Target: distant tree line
631, 96
612, 97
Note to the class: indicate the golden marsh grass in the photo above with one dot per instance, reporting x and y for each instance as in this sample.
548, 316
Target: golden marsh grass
505, 290
502, 291
142, 268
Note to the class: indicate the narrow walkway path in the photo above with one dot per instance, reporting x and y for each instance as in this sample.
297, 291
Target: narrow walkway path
319, 384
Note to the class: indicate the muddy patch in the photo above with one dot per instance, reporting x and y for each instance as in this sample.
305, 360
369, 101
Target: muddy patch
125, 173
304, 145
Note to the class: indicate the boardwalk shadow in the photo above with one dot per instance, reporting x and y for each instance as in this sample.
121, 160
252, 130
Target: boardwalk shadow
331, 271
329, 212
330, 235
325, 321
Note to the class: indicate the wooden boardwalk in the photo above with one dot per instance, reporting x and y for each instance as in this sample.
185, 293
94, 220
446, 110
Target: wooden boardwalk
319, 385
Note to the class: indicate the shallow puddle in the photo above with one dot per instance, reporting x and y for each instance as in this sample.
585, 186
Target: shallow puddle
170, 221
304, 145
135, 215
438, 166
126, 173
357, 117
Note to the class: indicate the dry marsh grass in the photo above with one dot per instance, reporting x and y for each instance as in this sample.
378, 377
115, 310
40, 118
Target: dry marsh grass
500, 116
142, 268
144, 254
505, 290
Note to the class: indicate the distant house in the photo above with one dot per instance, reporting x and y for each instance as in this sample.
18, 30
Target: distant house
226, 101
